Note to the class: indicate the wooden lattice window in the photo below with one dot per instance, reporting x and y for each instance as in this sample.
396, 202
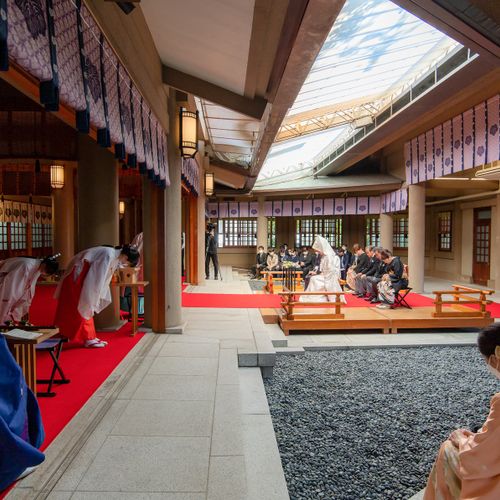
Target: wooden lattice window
444, 231
372, 233
330, 228
237, 232
400, 232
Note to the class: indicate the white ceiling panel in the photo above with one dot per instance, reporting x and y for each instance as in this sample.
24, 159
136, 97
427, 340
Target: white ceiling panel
212, 45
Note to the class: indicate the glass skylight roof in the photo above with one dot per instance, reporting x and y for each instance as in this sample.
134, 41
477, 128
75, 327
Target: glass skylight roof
294, 156
373, 52
374, 48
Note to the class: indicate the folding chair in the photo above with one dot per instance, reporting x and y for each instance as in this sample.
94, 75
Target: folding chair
54, 348
400, 298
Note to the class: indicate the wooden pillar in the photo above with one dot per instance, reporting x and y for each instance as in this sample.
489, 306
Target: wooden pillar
416, 237
154, 256
386, 231
191, 250
98, 216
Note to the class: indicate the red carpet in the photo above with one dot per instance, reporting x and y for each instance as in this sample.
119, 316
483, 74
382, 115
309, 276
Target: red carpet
86, 368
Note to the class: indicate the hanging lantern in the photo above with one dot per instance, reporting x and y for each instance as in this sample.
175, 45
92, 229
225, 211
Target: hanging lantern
209, 184
121, 207
57, 176
188, 133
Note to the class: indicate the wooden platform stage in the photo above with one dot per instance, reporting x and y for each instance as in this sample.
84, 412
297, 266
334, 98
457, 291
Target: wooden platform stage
371, 318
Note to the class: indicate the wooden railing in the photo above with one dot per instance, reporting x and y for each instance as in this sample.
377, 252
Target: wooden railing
462, 295
291, 300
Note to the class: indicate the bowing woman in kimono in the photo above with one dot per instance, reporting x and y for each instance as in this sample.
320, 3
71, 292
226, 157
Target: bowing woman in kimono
468, 463
18, 277
329, 273
84, 290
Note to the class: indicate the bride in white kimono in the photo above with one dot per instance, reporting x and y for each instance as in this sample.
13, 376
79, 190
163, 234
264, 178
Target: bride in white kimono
328, 279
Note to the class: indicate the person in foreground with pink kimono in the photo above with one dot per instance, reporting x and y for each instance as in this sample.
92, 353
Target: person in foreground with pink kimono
468, 463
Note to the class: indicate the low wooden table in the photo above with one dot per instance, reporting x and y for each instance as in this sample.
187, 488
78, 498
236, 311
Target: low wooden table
135, 300
25, 353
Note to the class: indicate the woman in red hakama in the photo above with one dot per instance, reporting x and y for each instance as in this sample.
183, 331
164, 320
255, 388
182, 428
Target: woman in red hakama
84, 291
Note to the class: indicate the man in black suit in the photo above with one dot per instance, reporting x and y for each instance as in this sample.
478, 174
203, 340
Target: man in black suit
260, 262
367, 270
349, 257
306, 261
211, 252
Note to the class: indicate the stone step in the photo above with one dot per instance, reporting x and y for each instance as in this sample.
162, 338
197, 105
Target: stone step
269, 315
290, 351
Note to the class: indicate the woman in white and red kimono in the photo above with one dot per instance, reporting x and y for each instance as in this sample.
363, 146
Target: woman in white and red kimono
84, 290
18, 277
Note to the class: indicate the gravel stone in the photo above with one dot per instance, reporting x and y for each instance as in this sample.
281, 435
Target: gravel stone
367, 424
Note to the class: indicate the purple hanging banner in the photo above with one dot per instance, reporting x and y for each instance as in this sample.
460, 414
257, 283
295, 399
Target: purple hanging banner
223, 210
374, 205
71, 86
277, 208
480, 134
447, 148
350, 206
339, 206
362, 204
268, 208
110, 62
318, 207
139, 139
429, 157
458, 163
213, 210
422, 170
493, 109
91, 35
408, 164
244, 209
287, 208
438, 152
297, 208
307, 208
328, 206
414, 161
468, 132
254, 208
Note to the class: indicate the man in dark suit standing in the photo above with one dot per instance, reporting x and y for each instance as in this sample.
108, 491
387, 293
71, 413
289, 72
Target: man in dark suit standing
211, 252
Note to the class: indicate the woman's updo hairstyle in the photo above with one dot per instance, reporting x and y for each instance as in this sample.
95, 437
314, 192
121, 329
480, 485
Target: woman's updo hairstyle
51, 264
132, 254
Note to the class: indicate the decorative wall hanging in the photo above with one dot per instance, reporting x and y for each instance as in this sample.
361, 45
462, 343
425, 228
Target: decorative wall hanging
468, 140
59, 43
395, 201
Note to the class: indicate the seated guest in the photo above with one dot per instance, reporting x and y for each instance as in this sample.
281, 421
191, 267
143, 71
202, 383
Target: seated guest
84, 290
349, 256
316, 263
360, 262
272, 260
343, 262
468, 463
373, 278
21, 429
260, 262
293, 258
306, 261
18, 277
361, 275
282, 257
392, 281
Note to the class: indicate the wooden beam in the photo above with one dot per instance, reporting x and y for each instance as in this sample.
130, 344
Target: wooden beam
450, 24
315, 24
182, 81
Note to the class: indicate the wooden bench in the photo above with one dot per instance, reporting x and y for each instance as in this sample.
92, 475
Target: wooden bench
273, 287
462, 295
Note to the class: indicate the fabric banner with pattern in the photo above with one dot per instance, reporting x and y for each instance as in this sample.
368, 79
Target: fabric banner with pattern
470, 139
396, 201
